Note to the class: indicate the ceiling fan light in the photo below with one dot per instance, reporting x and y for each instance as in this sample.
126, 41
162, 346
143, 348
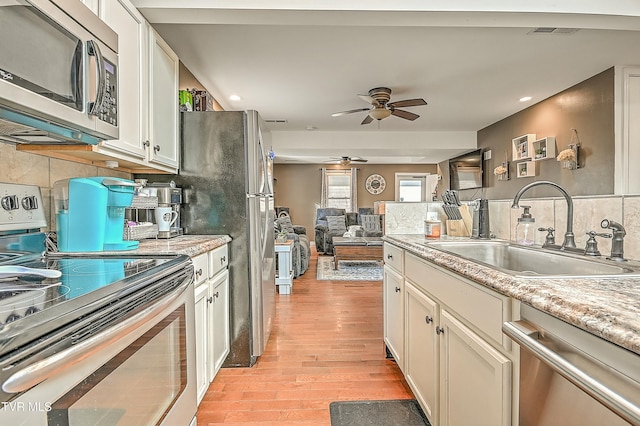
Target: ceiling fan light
379, 113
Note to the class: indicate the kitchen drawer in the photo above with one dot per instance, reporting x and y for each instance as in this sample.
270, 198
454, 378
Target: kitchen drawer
218, 259
393, 256
481, 308
201, 266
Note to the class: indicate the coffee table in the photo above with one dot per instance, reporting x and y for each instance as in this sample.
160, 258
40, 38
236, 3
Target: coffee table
357, 248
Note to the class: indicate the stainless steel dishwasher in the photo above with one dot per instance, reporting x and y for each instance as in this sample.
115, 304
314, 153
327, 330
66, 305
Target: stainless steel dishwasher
571, 377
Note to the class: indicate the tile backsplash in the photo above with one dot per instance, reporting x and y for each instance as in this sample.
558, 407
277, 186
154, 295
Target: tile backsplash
32, 169
588, 212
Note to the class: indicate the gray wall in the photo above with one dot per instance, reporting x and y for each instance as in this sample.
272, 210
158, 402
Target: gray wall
587, 107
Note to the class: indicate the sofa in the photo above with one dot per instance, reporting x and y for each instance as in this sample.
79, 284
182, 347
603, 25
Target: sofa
301, 251
332, 222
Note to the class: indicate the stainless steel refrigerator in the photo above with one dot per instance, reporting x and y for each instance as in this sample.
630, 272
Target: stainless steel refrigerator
226, 177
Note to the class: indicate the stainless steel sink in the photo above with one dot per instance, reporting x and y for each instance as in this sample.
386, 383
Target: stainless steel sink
529, 261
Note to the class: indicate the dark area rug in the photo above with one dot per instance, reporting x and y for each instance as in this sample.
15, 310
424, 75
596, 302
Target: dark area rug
399, 412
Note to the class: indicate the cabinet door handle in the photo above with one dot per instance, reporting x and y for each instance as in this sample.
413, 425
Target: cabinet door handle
216, 294
223, 259
389, 256
210, 299
146, 143
156, 148
199, 272
428, 319
397, 289
439, 330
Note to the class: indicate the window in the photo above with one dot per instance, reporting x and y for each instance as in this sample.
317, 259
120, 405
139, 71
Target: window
415, 187
339, 189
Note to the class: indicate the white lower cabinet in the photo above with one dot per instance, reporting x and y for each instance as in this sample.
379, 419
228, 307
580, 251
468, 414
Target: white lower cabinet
455, 361
202, 379
212, 315
475, 379
219, 321
393, 307
421, 363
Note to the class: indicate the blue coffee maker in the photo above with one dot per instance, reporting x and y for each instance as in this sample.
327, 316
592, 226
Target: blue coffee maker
90, 213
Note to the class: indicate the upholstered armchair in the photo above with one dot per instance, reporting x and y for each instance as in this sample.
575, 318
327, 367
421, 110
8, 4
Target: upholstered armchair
324, 235
301, 252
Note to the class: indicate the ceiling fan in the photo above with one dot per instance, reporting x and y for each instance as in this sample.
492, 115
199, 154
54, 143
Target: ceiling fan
345, 161
381, 108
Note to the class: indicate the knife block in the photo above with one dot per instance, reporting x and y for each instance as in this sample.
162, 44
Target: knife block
457, 228
460, 227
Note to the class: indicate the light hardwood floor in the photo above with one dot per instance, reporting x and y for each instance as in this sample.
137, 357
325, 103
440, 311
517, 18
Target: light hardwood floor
326, 345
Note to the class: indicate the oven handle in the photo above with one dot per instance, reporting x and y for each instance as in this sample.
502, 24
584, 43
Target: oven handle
40, 371
526, 335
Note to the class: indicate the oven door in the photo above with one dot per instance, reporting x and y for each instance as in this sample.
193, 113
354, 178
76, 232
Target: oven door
140, 371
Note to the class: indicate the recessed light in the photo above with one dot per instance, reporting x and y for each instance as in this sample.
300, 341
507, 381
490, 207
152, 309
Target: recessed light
525, 99
235, 98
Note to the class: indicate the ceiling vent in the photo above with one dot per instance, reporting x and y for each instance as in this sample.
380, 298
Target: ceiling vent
553, 30
277, 121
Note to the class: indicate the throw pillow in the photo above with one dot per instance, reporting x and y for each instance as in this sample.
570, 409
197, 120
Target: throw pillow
355, 230
337, 224
285, 224
371, 222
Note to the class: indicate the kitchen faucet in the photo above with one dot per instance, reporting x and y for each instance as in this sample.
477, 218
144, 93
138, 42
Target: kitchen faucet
569, 241
617, 250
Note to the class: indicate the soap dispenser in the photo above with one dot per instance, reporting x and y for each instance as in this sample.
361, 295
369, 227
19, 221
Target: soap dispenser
525, 230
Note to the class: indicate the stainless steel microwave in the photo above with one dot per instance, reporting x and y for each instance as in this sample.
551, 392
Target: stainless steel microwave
58, 73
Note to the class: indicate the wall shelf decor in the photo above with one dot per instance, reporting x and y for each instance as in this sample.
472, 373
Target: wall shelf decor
521, 148
526, 169
544, 148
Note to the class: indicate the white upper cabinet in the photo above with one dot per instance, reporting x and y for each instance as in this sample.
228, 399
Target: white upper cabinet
163, 103
147, 98
131, 27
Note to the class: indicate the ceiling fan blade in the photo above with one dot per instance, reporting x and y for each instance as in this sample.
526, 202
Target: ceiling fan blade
351, 111
368, 99
367, 119
404, 114
407, 103
358, 160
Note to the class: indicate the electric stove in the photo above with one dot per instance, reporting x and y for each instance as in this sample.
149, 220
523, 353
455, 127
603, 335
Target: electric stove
90, 293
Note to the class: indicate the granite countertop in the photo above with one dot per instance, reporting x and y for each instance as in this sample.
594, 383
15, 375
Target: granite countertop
191, 245
606, 307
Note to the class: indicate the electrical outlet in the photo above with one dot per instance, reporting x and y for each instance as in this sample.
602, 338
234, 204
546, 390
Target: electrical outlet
487, 155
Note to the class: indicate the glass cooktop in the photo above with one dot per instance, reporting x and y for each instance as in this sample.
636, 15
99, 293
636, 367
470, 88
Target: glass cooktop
92, 291
26, 295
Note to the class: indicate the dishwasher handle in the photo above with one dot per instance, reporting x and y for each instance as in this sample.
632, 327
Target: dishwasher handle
527, 336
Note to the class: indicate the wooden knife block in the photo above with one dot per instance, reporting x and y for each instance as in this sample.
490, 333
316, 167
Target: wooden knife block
461, 227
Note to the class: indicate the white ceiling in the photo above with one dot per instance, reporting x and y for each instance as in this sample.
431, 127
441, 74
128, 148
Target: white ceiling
302, 60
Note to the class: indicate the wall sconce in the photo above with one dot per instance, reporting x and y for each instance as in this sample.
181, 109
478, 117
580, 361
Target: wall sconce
502, 171
568, 158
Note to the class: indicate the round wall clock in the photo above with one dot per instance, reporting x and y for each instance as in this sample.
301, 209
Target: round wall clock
375, 184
